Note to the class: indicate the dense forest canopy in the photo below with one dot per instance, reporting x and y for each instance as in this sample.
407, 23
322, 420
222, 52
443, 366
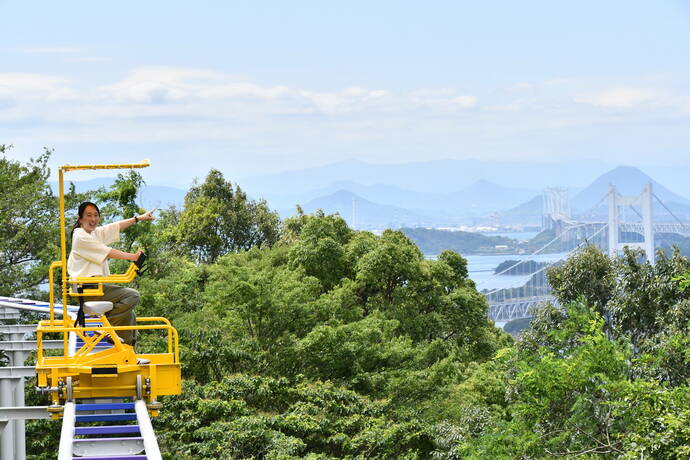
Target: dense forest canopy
306, 339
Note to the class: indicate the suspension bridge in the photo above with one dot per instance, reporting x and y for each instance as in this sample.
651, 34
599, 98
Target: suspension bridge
630, 223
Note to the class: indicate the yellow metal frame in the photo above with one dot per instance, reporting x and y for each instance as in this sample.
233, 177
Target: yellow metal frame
112, 372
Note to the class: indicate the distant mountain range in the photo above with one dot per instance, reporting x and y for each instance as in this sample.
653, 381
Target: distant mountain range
379, 196
447, 176
362, 213
628, 181
590, 203
434, 177
485, 203
406, 207
150, 196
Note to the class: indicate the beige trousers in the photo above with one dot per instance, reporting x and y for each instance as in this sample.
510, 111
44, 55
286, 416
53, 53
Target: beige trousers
124, 300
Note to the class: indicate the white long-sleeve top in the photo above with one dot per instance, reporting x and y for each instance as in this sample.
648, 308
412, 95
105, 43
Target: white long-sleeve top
89, 254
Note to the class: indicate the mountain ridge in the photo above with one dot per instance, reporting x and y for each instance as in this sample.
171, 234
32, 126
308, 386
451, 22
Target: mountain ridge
629, 180
364, 213
434, 176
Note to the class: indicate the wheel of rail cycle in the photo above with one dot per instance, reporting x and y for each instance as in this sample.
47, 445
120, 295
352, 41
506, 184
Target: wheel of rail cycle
91, 377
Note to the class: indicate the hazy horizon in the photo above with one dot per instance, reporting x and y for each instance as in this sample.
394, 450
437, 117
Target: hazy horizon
258, 89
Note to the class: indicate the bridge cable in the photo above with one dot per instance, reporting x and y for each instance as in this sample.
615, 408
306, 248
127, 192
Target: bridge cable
531, 276
635, 211
553, 240
540, 249
669, 211
591, 209
566, 256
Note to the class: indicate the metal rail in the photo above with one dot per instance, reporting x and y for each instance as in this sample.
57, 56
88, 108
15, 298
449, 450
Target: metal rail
67, 433
150, 442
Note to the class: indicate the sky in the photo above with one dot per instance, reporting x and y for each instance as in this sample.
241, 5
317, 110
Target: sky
259, 87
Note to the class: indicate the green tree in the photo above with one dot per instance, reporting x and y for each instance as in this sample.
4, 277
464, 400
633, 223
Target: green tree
603, 375
646, 294
28, 224
656, 420
277, 418
319, 249
219, 219
556, 399
119, 201
260, 301
590, 274
390, 266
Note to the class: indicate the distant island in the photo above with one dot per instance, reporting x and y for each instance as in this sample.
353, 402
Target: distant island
432, 241
510, 267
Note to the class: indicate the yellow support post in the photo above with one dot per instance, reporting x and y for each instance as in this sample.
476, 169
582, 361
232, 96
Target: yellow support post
63, 250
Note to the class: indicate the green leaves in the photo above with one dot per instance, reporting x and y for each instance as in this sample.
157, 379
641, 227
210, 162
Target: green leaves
351, 351
331, 344
589, 275
320, 342
392, 264
684, 281
277, 418
604, 375
656, 420
28, 224
218, 219
320, 249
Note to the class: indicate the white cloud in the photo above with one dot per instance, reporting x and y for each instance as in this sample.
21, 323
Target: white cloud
158, 84
165, 91
87, 59
624, 98
52, 50
162, 94
26, 86
442, 100
193, 86
465, 102
201, 107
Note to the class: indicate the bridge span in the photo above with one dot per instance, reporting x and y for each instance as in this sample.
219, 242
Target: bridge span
512, 309
516, 302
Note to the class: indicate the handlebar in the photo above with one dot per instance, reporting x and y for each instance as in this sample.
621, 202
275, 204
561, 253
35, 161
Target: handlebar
92, 285
140, 260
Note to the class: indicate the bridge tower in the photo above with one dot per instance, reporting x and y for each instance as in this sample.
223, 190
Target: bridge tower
556, 208
644, 201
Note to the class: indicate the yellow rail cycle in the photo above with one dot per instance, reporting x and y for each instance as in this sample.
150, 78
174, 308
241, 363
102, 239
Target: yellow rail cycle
115, 372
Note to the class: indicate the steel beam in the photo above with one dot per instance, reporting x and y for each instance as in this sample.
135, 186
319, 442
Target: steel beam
19, 425
17, 372
8, 314
34, 306
17, 328
613, 221
11, 418
30, 345
24, 413
509, 310
7, 400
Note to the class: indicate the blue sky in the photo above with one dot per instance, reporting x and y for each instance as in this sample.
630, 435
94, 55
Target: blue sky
258, 87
